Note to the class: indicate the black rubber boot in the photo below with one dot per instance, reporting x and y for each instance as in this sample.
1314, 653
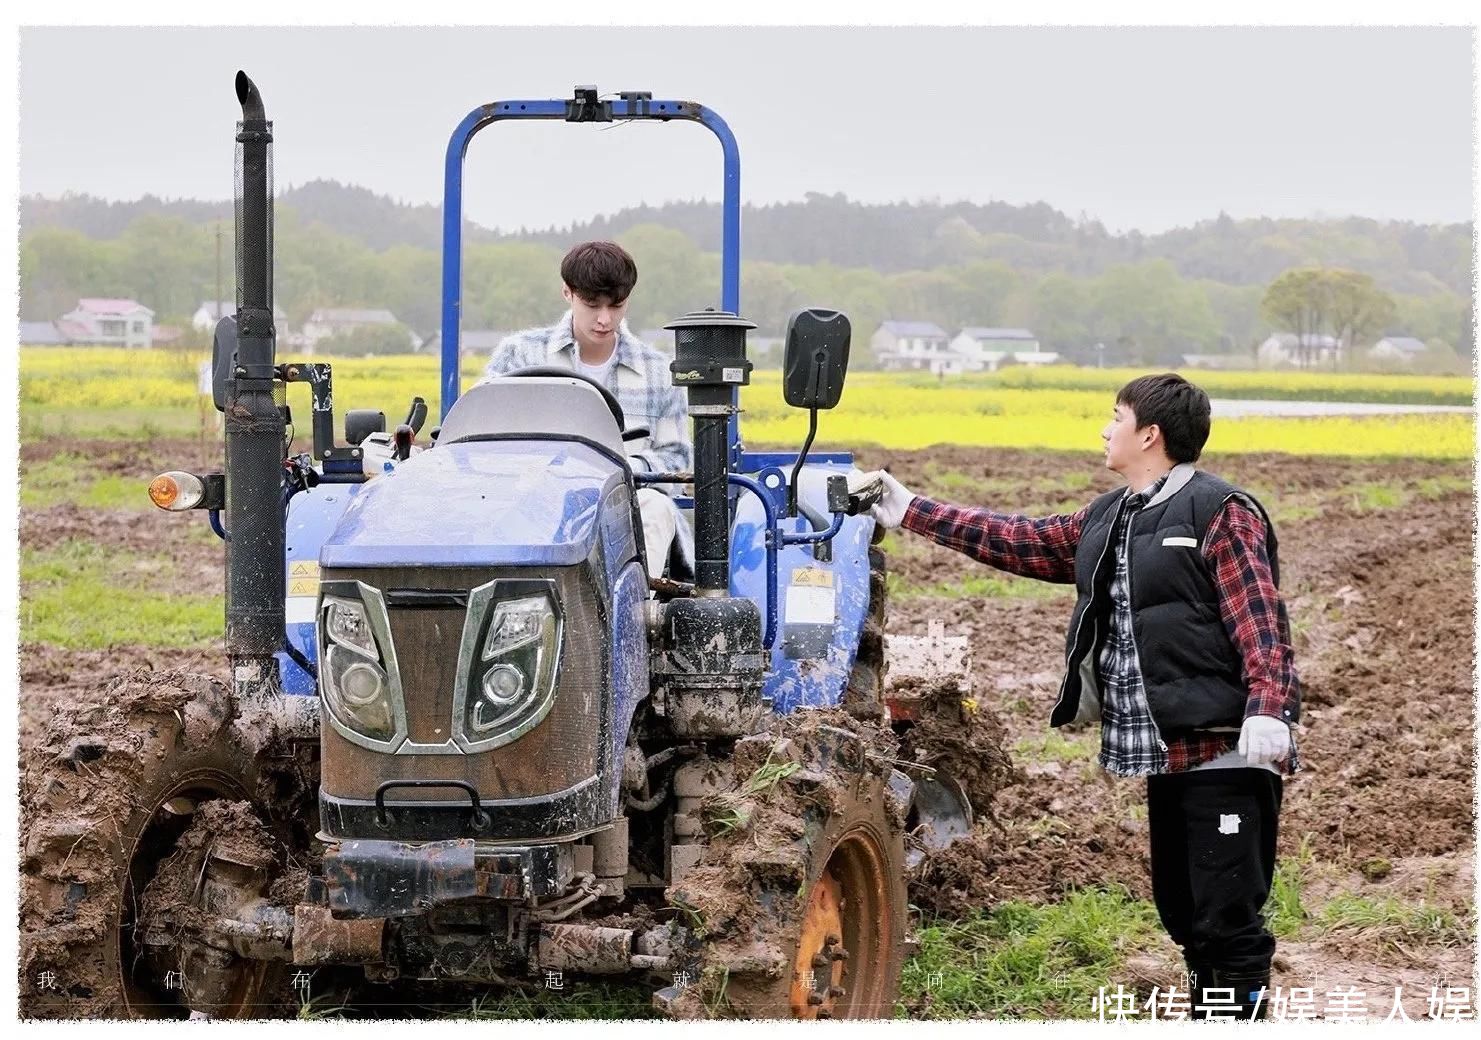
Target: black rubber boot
1251, 992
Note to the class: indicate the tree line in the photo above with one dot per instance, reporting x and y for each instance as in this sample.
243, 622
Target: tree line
1074, 285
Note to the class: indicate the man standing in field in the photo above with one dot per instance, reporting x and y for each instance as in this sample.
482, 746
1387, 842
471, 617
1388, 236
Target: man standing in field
593, 340
1179, 645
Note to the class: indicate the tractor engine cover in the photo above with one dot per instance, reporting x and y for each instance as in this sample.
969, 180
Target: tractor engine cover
483, 644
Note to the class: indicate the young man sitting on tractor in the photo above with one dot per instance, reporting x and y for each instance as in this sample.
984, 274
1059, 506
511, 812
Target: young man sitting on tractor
592, 339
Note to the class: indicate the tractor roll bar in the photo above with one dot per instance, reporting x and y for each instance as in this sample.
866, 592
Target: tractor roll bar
584, 107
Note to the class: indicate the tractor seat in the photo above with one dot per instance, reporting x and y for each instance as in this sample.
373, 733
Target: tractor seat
533, 407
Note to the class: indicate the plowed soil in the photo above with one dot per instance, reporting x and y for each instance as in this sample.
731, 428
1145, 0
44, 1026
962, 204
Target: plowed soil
1382, 606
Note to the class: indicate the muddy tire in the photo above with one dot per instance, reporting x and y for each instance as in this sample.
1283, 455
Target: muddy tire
802, 913
103, 808
863, 697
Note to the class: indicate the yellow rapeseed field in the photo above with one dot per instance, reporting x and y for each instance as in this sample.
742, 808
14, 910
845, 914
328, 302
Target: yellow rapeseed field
1056, 408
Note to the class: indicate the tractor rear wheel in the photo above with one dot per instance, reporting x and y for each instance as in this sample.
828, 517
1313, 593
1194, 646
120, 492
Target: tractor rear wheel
136, 789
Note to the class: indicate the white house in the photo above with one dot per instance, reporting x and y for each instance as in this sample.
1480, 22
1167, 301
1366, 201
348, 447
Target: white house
211, 311
1285, 348
915, 346
110, 322
1403, 349
327, 321
987, 348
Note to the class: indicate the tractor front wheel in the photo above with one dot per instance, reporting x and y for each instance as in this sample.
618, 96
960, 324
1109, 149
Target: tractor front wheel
130, 800
801, 912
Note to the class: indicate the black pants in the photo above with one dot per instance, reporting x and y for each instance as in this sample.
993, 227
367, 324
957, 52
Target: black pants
1213, 856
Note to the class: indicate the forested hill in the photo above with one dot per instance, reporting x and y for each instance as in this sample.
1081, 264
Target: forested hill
1141, 298
888, 238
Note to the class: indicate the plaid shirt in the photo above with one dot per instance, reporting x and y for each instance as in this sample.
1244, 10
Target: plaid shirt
640, 378
1130, 743
1249, 603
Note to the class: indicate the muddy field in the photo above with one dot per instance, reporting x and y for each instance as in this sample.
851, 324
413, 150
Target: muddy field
1381, 600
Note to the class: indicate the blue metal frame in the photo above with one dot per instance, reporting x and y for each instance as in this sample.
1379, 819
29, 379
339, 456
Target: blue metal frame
452, 211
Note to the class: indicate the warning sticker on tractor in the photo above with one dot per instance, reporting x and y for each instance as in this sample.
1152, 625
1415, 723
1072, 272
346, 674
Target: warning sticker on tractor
815, 577
303, 577
732, 375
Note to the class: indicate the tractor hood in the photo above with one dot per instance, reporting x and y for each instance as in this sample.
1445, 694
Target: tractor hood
503, 502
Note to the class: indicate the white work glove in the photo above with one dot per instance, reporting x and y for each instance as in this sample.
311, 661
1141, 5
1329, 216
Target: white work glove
1264, 740
891, 498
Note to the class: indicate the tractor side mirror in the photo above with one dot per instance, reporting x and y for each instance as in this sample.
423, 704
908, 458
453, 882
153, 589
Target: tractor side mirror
223, 358
816, 358
362, 422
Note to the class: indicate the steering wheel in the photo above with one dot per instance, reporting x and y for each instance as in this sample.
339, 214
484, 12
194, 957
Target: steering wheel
555, 370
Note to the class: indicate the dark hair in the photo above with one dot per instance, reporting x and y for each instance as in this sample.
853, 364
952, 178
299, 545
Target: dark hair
595, 269
1178, 408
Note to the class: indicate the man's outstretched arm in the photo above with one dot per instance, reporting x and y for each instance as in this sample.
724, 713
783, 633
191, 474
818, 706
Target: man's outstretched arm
1034, 547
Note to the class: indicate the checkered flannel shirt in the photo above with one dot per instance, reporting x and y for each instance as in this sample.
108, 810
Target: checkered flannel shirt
1249, 603
1130, 744
640, 378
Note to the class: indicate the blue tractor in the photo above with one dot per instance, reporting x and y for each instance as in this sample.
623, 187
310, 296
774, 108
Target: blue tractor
465, 739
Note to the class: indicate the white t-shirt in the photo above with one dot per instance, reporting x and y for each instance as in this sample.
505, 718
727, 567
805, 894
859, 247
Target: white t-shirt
597, 372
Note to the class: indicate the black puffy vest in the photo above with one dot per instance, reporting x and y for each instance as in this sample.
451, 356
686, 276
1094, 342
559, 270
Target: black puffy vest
1192, 672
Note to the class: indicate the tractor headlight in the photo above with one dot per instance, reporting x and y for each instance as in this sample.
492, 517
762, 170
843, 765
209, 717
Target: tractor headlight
514, 633
357, 693
357, 672
347, 625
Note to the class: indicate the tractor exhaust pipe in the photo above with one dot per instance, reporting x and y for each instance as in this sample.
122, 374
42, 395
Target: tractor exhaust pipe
710, 363
711, 662
254, 424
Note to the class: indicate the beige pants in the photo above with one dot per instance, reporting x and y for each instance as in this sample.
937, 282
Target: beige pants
660, 520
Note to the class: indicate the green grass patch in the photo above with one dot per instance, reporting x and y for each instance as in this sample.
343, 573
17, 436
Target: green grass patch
81, 596
1020, 960
1284, 913
1395, 919
115, 492
1055, 747
53, 481
40, 422
1295, 512
1438, 487
1369, 497
67, 478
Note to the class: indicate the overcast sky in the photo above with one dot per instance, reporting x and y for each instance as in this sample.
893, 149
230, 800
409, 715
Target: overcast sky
1145, 128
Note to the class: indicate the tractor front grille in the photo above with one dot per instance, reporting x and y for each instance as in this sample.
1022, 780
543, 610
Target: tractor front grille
561, 752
